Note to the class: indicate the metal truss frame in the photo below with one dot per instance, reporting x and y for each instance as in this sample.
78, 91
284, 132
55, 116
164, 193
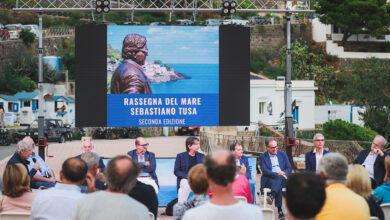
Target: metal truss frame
194, 6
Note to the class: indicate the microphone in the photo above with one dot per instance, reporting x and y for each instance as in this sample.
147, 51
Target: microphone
35, 160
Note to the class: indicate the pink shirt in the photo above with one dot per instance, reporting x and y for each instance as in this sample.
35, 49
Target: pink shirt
20, 204
241, 187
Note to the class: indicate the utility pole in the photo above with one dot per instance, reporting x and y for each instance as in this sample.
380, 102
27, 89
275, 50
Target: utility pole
41, 119
289, 135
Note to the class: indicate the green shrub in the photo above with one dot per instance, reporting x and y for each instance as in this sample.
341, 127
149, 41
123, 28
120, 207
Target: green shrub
342, 130
27, 37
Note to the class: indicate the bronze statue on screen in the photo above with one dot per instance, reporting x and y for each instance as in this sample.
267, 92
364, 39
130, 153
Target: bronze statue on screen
129, 77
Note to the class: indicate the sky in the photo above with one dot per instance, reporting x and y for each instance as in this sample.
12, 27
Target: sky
172, 44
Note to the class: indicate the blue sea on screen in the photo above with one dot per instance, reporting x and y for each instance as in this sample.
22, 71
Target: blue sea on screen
204, 80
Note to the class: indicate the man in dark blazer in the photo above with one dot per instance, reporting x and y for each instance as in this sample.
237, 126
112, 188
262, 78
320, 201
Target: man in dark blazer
183, 163
312, 158
147, 162
275, 168
241, 160
374, 161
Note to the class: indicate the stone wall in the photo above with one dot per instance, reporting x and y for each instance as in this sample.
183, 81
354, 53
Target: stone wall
273, 37
12, 49
152, 131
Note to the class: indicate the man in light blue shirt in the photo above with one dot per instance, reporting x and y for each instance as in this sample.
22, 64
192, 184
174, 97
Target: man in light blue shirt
44, 177
275, 168
59, 202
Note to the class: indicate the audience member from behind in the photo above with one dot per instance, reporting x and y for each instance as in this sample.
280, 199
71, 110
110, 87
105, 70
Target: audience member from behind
312, 158
17, 195
183, 163
23, 152
341, 203
60, 201
374, 161
305, 195
92, 161
114, 203
383, 192
198, 182
359, 182
146, 195
220, 171
241, 160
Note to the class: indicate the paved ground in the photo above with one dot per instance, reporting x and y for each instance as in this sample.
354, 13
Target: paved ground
162, 146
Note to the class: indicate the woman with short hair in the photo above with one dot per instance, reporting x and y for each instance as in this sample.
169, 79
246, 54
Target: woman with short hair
17, 195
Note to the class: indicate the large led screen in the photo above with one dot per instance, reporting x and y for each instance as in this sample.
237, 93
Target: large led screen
131, 76
162, 76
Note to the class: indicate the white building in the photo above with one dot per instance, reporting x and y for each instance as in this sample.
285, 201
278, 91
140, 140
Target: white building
10, 104
349, 113
267, 102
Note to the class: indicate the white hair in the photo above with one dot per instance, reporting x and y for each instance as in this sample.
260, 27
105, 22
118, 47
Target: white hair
334, 166
23, 145
318, 135
91, 159
383, 140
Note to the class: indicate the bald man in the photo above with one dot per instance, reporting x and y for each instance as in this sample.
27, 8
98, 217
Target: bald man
44, 176
147, 162
88, 147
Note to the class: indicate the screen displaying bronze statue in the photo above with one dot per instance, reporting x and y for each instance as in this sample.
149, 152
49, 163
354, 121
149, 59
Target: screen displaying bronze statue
130, 77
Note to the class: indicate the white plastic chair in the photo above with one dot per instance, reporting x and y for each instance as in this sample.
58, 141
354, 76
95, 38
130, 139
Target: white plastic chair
151, 215
266, 191
386, 210
242, 198
14, 215
374, 218
268, 213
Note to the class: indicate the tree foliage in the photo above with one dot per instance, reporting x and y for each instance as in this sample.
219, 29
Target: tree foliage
22, 75
342, 130
355, 16
27, 37
309, 63
260, 63
67, 55
368, 86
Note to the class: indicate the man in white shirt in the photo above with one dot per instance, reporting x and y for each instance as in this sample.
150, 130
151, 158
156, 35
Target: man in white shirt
221, 170
312, 158
374, 161
59, 201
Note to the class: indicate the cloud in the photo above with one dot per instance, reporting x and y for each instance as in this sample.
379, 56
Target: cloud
155, 30
185, 48
216, 42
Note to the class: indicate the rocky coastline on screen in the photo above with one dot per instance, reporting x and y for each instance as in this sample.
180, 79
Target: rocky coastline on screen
160, 73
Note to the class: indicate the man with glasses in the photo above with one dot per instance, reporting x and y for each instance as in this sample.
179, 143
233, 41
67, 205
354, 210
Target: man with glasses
312, 158
275, 168
374, 161
147, 162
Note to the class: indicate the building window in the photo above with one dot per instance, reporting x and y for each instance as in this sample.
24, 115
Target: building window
26, 104
10, 106
261, 108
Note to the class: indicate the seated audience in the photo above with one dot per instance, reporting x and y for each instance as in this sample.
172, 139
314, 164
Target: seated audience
241, 186
23, 152
114, 203
183, 163
45, 175
92, 161
374, 161
17, 195
199, 185
275, 168
147, 161
60, 201
359, 182
383, 192
241, 160
305, 195
220, 171
312, 158
341, 203
146, 195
